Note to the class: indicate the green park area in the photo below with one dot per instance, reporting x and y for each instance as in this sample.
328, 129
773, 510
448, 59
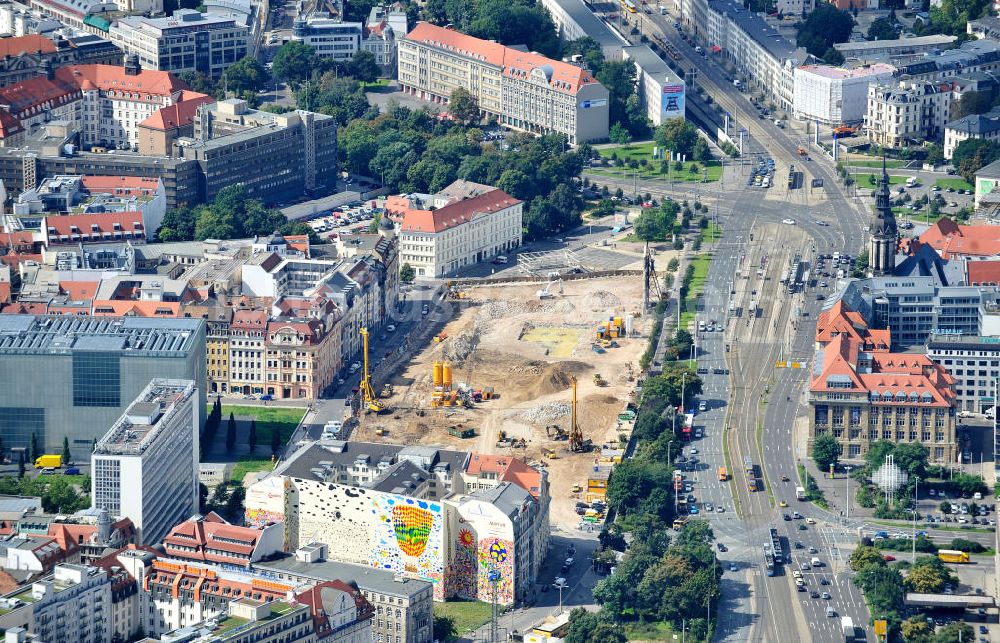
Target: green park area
652, 168
464, 616
700, 264
955, 183
268, 419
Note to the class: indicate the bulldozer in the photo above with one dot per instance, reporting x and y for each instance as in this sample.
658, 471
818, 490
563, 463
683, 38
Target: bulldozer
556, 432
502, 439
386, 391
549, 453
599, 381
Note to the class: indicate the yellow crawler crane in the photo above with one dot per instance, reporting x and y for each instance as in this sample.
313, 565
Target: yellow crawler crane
368, 398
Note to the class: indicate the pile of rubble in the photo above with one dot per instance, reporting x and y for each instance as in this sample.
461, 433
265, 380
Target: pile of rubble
546, 413
463, 345
602, 299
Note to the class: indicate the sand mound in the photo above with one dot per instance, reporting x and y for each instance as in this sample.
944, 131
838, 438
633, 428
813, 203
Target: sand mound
543, 379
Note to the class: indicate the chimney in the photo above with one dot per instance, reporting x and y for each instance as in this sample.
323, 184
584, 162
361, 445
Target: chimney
132, 66
46, 68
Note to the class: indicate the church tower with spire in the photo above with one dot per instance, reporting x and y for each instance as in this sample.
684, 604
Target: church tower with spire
883, 231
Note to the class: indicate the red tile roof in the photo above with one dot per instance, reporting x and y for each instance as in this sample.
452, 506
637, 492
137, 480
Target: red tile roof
9, 124
451, 215
179, 114
313, 597
79, 290
951, 239
210, 535
246, 319
4, 292
507, 469
983, 273
561, 76
100, 227
120, 185
27, 44
152, 83
838, 320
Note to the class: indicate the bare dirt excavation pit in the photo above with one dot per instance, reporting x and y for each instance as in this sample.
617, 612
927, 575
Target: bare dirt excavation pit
528, 350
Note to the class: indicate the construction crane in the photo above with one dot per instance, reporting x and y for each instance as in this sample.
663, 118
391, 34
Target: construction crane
575, 434
367, 393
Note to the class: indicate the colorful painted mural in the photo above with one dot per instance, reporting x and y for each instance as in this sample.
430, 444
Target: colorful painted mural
496, 554
464, 570
410, 538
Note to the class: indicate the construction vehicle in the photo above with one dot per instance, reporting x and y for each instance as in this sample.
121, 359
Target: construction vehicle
597, 348
440, 337
386, 391
43, 461
576, 442
546, 293
381, 432
462, 432
599, 381
555, 432
577, 488
549, 453
368, 399
843, 130
455, 292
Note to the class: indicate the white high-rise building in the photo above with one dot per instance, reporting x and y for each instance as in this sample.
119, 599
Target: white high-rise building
146, 466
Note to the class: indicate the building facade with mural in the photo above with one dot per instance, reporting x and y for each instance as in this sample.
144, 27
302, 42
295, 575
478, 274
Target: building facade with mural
420, 512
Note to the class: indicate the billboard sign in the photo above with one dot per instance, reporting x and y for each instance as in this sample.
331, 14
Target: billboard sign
672, 101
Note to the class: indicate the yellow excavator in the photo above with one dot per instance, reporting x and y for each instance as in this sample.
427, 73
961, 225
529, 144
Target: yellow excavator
368, 399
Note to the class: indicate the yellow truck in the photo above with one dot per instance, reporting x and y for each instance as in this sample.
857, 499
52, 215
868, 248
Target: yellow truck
44, 461
953, 556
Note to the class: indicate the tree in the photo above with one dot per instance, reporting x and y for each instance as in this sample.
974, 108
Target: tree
832, 56
444, 628
925, 579
234, 505
912, 458
695, 532
655, 224
861, 265
955, 632
877, 452
584, 624
619, 134
972, 154
33, 448
252, 437
463, 105
677, 136
364, 67
826, 451
65, 454
407, 274
619, 77
275, 441
973, 103
245, 75
668, 386
178, 225
882, 29
952, 16
231, 433
589, 49
294, 62
916, 629
701, 151
864, 556
825, 26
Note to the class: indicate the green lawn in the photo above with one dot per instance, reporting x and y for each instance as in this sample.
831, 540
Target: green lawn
467, 615
868, 161
957, 183
712, 233
269, 418
658, 631
644, 151
700, 263
250, 464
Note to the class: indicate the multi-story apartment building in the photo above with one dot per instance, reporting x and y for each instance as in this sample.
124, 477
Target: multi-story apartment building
186, 41
329, 36
77, 374
73, 604
382, 31
911, 111
403, 606
661, 91
105, 104
974, 126
861, 397
460, 226
247, 335
275, 156
457, 516
835, 95
210, 539
146, 465
302, 356
521, 90
30, 54
761, 55
974, 362
874, 49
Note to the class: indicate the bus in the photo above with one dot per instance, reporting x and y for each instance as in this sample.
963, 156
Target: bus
953, 556
776, 548
723, 474
679, 523
628, 5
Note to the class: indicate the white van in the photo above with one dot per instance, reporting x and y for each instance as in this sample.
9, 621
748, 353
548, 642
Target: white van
840, 274
911, 181
816, 562
500, 259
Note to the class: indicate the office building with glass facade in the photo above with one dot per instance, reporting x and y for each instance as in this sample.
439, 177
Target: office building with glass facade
74, 376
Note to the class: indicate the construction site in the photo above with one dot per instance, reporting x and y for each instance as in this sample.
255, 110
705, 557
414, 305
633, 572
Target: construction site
540, 372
